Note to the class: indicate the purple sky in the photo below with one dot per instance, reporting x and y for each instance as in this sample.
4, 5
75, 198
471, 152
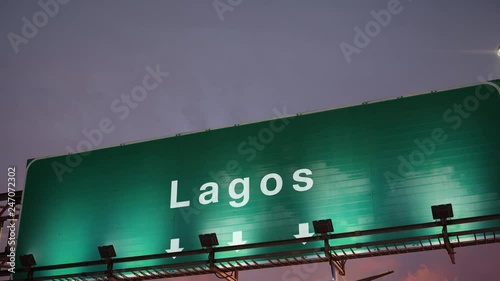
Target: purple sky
234, 65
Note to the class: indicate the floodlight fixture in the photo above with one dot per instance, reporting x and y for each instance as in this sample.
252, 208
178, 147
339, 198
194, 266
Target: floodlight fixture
498, 51
107, 252
442, 212
323, 226
208, 240
27, 260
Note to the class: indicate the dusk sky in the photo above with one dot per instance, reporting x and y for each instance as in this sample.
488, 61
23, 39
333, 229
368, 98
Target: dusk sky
232, 62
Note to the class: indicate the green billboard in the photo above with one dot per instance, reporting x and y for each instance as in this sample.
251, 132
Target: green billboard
374, 165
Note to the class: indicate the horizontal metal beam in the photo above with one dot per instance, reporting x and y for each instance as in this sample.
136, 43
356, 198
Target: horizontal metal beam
287, 242
199, 268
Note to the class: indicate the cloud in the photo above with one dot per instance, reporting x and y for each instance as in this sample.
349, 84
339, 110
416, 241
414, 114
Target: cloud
424, 274
362, 268
377, 265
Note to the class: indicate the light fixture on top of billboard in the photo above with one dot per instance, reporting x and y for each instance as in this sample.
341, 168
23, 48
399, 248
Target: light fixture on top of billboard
442, 212
208, 240
27, 261
106, 252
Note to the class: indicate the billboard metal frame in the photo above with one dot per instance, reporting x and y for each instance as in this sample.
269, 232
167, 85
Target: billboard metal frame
337, 255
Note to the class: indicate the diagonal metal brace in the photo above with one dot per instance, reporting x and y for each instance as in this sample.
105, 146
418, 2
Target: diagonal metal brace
109, 268
447, 243
218, 272
339, 264
30, 274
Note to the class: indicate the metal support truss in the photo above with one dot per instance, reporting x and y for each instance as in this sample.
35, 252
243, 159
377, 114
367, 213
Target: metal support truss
306, 256
229, 276
339, 264
8, 218
30, 274
447, 243
377, 276
322, 249
109, 268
